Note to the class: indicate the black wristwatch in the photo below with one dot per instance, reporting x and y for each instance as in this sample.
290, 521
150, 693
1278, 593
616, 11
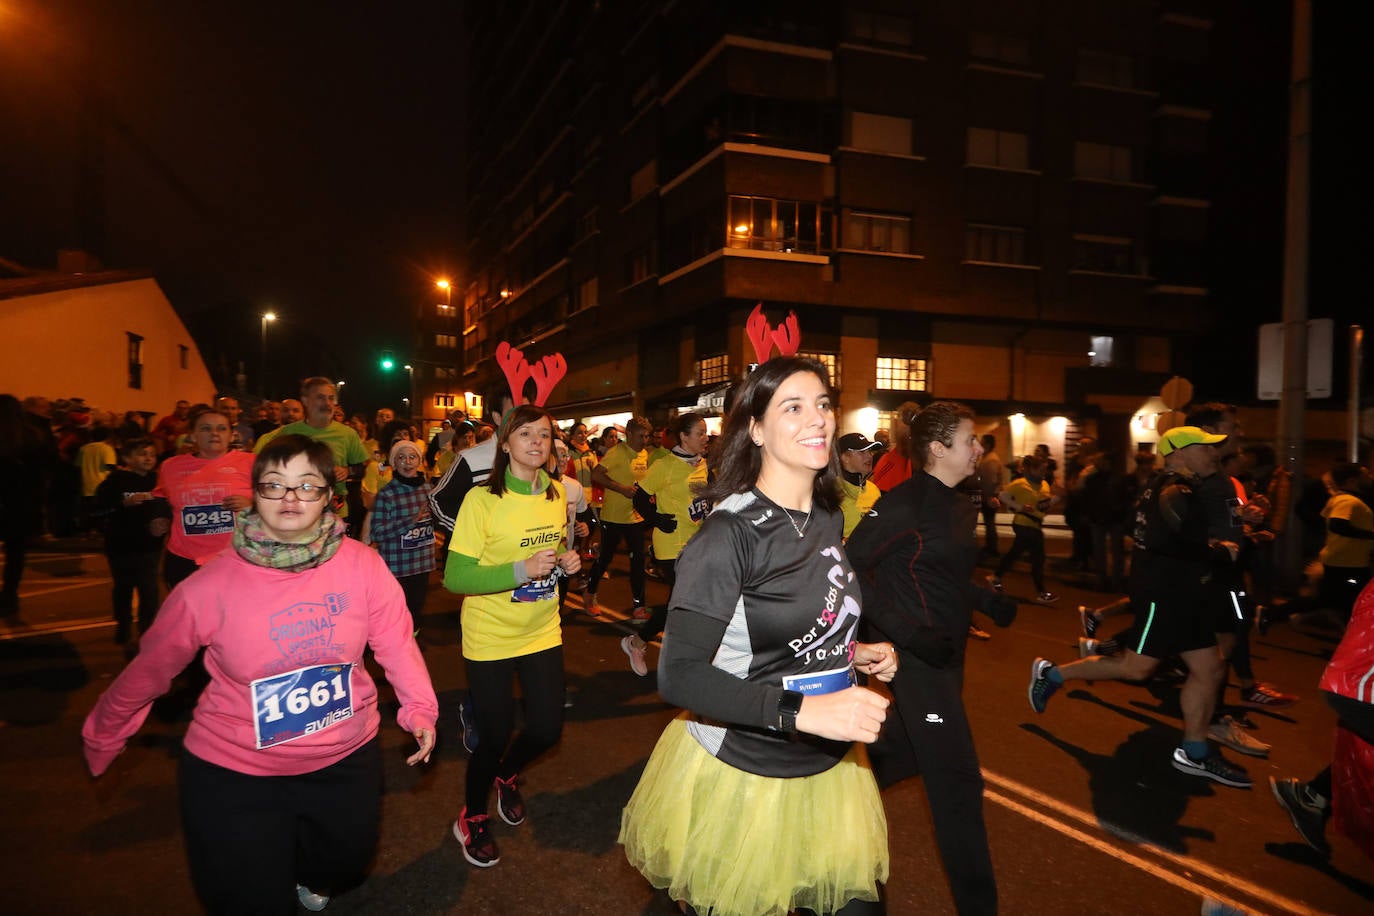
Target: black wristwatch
789, 704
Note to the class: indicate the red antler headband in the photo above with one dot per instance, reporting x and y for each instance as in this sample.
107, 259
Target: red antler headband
763, 335
546, 373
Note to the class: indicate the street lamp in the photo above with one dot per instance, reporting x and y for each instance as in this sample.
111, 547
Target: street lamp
447, 287
262, 365
410, 382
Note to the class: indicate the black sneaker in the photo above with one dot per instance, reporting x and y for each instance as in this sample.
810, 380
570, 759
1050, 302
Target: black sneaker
1306, 815
1041, 687
474, 833
1214, 767
1088, 621
467, 719
509, 803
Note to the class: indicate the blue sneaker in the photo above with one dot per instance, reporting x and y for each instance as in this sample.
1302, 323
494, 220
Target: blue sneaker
1041, 687
468, 719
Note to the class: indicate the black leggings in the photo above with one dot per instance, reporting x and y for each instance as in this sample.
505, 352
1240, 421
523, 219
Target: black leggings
1026, 540
251, 839
927, 732
415, 588
658, 614
611, 536
491, 685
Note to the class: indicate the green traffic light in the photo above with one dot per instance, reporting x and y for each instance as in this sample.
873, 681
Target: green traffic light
388, 364
388, 361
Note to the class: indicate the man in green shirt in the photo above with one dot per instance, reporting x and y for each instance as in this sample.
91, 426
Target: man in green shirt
319, 397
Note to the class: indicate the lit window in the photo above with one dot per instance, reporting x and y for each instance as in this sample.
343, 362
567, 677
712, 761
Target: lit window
446, 341
1003, 149
765, 224
444, 400
445, 311
901, 373
1101, 352
831, 362
713, 370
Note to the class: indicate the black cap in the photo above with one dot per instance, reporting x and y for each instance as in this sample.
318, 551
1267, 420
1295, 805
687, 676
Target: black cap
857, 442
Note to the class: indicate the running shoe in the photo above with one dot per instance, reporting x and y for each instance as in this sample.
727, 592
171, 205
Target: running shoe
978, 633
1229, 732
1088, 621
1214, 767
468, 720
1307, 816
640, 612
1041, 687
1087, 647
1046, 598
1266, 696
310, 900
509, 803
636, 653
592, 605
474, 833
994, 582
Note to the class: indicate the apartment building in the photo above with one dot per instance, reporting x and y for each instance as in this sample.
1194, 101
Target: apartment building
998, 202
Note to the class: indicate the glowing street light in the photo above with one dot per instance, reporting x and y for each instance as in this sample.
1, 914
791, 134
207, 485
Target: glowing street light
267, 317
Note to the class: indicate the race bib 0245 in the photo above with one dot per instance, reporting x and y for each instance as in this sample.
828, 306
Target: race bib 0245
198, 521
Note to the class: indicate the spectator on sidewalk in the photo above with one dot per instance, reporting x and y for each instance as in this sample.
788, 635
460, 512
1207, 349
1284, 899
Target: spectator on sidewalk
989, 475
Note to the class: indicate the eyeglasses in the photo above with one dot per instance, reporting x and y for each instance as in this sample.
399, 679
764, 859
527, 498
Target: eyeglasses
306, 492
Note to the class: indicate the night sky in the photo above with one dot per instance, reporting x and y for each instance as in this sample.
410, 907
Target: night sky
306, 157
302, 157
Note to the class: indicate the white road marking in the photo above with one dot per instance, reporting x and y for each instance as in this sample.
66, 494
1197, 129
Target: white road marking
84, 583
1187, 863
48, 630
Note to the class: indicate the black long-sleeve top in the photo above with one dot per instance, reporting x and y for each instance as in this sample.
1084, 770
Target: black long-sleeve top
915, 554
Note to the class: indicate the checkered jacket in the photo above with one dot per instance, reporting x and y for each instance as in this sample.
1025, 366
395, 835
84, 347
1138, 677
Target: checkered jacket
402, 530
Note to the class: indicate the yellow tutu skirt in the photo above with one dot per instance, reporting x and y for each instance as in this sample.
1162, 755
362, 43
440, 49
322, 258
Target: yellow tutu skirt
738, 844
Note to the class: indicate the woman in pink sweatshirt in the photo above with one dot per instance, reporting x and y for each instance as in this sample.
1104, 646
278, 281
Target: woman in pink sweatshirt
281, 778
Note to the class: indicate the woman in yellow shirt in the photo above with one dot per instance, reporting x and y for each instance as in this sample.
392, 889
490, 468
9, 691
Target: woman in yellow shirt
508, 550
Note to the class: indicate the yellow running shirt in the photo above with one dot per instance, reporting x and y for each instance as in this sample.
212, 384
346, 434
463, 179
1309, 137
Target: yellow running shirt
626, 467
500, 530
673, 482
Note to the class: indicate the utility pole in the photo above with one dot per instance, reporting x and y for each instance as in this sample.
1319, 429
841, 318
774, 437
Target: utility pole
1293, 404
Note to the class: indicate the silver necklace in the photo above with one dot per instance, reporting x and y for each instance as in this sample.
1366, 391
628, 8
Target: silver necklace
801, 531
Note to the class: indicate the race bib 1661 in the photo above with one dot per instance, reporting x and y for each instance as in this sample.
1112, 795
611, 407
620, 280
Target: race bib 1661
301, 702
